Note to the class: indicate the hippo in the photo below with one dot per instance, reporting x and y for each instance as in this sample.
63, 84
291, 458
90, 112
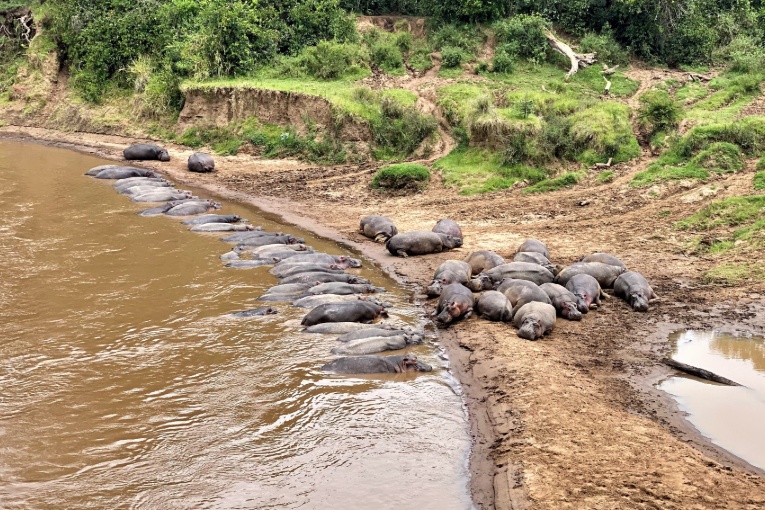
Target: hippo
140, 189
517, 270
217, 218
564, 301
448, 227
534, 320
635, 290
371, 345
603, 258
123, 172
289, 288
249, 264
420, 243
323, 258
221, 227
352, 311
456, 301
322, 299
155, 211
192, 208
343, 289
377, 365
162, 195
378, 228
279, 247
265, 240
146, 152
129, 182
255, 312
494, 306
281, 254
230, 255
286, 297
283, 270
201, 163
338, 328
604, 273
483, 260
316, 278
98, 169
587, 291
244, 236
520, 292
536, 258
412, 336
451, 271
534, 245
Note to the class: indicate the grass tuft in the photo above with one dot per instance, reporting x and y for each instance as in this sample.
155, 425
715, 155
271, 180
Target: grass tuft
403, 176
563, 181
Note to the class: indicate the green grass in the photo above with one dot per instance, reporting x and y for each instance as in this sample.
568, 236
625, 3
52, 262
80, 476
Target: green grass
450, 73
475, 170
760, 165
605, 176
734, 274
731, 92
729, 212
403, 176
691, 91
759, 181
563, 181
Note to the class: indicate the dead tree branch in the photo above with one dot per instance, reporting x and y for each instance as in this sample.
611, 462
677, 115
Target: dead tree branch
577, 59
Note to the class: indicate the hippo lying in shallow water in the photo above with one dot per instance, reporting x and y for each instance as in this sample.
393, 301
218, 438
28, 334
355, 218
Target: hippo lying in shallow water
377, 365
146, 152
343, 289
256, 312
421, 243
122, 172
378, 228
371, 345
216, 218
353, 311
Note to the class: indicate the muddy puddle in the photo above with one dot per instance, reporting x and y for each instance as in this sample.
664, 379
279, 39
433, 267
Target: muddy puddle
124, 383
730, 416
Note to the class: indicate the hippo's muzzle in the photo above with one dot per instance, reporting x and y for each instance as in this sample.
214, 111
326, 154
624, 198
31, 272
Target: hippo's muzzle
530, 330
479, 283
571, 312
639, 303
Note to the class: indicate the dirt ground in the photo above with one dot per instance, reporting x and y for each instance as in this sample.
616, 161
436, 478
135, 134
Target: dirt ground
573, 420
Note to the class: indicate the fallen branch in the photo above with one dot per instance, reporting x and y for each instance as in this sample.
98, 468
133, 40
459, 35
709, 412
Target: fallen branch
607, 89
698, 77
577, 59
604, 165
608, 71
699, 372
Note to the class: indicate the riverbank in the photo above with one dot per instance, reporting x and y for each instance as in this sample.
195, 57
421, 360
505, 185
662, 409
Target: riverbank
572, 421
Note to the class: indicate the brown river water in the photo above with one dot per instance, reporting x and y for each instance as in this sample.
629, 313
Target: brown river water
125, 384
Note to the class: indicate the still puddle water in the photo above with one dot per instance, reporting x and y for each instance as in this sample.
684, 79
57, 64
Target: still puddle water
731, 417
125, 384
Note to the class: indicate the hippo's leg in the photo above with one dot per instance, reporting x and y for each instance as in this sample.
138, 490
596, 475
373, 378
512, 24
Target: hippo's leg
381, 238
602, 295
468, 314
402, 253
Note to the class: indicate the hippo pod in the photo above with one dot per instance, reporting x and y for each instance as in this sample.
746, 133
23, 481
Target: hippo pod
587, 291
604, 273
354, 311
371, 345
256, 312
378, 228
448, 227
633, 288
217, 218
201, 163
451, 271
520, 292
377, 365
119, 172
146, 152
494, 306
535, 246
343, 289
536, 258
564, 301
456, 301
516, 270
421, 243
534, 320
603, 258
483, 260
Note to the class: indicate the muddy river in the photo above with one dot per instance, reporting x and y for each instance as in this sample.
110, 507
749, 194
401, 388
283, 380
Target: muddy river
124, 383
730, 416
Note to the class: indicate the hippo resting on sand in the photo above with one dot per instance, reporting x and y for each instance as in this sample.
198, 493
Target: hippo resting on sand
587, 291
256, 312
534, 320
534, 245
603, 258
451, 271
456, 301
146, 151
378, 228
520, 292
353, 311
494, 306
377, 365
421, 243
217, 218
604, 273
635, 290
535, 258
483, 260
371, 345
564, 301
122, 172
517, 270
201, 163
448, 227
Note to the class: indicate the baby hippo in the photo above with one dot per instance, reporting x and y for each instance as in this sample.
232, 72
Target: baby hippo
456, 301
494, 306
587, 291
534, 245
635, 290
378, 228
421, 242
146, 151
451, 271
377, 365
448, 227
483, 260
564, 301
534, 320
201, 163
353, 311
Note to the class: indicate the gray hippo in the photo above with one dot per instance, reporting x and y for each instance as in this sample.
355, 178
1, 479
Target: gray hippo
216, 218
201, 163
245, 236
279, 254
283, 270
123, 172
192, 208
587, 291
534, 320
371, 345
140, 189
536, 258
256, 312
421, 243
289, 288
412, 336
161, 195
377, 365
146, 152
249, 264
451, 271
98, 169
322, 299
343, 289
378, 228
298, 247
324, 258
534, 245
338, 328
603, 258
230, 255
361, 310
265, 240
635, 290
604, 273
448, 227
483, 260
155, 211
520, 292
494, 306
564, 301
456, 301
316, 278
220, 227
516, 270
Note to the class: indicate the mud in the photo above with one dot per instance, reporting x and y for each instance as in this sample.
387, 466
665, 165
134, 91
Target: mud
574, 420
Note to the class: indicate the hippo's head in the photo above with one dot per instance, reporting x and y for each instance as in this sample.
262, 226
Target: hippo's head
434, 289
347, 261
163, 155
583, 302
450, 242
531, 329
213, 204
480, 282
357, 280
571, 311
371, 289
300, 247
554, 269
412, 336
336, 267
638, 302
409, 363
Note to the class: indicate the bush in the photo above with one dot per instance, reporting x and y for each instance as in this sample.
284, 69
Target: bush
605, 46
465, 37
563, 181
760, 164
400, 130
330, 60
603, 131
404, 176
387, 56
744, 54
451, 57
658, 111
759, 181
523, 36
720, 157
504, 61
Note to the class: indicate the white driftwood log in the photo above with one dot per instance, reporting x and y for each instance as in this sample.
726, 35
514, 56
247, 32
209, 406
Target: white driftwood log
577, 59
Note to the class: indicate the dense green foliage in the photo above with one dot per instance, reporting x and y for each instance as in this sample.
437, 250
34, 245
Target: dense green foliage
658, 111
404, 176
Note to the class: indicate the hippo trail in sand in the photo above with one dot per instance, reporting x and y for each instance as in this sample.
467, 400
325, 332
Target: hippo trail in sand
146, 152
587, 291
635, 290
448, 227
365, 311
451, 271
378, 228
456, 302
377, 365
483, 260
564, 301
494, 306
201, 163
534, 320
421, 242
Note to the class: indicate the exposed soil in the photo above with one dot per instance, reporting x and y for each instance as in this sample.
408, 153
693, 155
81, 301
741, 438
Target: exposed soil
571, 421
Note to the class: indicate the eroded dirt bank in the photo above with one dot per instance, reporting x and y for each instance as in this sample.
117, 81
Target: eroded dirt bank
571, 421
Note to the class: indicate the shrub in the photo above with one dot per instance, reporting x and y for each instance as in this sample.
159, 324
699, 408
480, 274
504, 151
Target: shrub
606, 176
759, 181
404, 176
523, 36
760, 164
465, 37
605, 46
603, 131
451, 57
720, 157
330, 60
387, 56
504, 61
400, 129
563, 181
744, 54
658, 111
